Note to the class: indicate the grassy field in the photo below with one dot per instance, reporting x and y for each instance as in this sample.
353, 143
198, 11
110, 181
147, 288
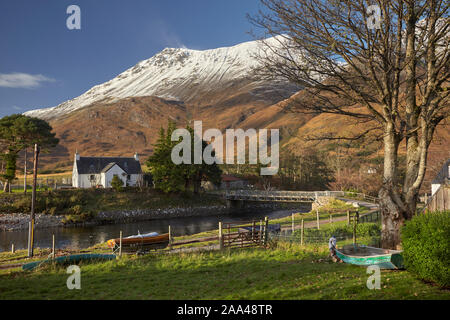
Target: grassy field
288, 271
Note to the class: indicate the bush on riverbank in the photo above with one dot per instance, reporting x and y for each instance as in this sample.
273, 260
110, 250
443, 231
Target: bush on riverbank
426, 247
335, 206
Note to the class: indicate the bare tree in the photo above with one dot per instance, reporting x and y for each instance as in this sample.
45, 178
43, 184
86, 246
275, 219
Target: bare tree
392, 74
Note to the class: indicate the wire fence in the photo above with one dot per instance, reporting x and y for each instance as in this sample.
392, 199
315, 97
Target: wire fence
343, 228
41, 183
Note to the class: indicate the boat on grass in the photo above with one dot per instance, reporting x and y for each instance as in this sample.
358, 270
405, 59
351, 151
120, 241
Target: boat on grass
362, 255
140, 242
71, 259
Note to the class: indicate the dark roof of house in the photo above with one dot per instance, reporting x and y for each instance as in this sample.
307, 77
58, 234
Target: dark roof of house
96, 165
443, 174
230, 178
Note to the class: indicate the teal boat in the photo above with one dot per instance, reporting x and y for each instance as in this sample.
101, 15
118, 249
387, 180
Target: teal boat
365, 256
72, 259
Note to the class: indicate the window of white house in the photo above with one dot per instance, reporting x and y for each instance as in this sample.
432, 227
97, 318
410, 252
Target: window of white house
128, 177
92, 177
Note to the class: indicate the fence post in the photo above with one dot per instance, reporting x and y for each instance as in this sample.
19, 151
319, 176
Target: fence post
260, 231
302, 233
53, 247
293, 224
354, 229
170, 238
266, 230
120, 244
220, 236
348, 217
318, 219
253, 231
13, 250
331, 218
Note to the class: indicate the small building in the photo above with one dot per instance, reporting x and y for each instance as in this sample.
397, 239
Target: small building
230, 182
442, 178
91, 172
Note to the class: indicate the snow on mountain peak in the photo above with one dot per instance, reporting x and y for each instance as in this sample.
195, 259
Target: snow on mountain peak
174, 74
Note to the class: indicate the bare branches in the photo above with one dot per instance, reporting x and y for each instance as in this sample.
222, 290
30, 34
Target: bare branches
328, 48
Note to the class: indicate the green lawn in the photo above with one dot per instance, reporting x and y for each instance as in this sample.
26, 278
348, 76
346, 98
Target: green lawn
286, 272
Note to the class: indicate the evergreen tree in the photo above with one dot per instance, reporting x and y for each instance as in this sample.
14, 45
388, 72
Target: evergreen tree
18, 132
170, 177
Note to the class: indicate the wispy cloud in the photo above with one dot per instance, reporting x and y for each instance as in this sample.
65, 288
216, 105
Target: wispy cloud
22, 80
165, 35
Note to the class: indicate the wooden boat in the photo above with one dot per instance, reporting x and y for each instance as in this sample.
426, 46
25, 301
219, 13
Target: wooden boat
140, 242
365, 256
71, 259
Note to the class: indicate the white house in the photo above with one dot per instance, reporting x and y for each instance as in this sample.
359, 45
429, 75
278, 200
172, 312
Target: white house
91, 172
443, 177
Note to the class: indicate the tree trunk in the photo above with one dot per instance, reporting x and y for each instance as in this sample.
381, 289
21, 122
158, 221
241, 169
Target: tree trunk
392, 217
25, 173
391, 205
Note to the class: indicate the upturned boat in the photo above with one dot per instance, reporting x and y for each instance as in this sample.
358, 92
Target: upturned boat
70, 259
365, 256
140, 242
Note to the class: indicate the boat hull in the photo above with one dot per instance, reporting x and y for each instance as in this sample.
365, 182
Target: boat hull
139, 241
384, 261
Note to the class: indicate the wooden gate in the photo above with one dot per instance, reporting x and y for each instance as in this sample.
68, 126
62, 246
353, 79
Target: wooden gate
244, 234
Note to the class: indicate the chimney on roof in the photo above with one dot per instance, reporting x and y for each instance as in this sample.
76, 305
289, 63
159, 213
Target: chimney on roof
77, 155
136, 156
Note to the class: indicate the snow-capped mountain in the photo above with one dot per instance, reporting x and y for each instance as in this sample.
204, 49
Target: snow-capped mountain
189, 76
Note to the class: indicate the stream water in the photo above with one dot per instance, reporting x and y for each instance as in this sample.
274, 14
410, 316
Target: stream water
84, 237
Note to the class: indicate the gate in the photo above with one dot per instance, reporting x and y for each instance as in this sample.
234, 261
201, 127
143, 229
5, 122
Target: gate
244, 234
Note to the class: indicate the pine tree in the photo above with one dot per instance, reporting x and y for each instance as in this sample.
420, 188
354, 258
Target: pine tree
170, 177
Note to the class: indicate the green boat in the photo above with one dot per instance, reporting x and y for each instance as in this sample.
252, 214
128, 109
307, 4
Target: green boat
72, 259
365, 256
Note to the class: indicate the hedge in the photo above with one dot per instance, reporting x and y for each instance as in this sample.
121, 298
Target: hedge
426, 247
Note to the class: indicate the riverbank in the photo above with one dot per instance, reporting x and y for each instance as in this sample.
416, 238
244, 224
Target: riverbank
19, 221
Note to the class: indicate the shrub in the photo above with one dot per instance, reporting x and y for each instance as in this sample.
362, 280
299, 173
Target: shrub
426, 247
76, 210
116, 183
52, 211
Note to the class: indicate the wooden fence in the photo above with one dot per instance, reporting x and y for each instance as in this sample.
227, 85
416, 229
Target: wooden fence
440, 201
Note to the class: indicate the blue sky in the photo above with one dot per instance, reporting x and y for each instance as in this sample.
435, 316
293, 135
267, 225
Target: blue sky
43, 63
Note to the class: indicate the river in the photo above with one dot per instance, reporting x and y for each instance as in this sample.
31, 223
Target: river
84, 237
